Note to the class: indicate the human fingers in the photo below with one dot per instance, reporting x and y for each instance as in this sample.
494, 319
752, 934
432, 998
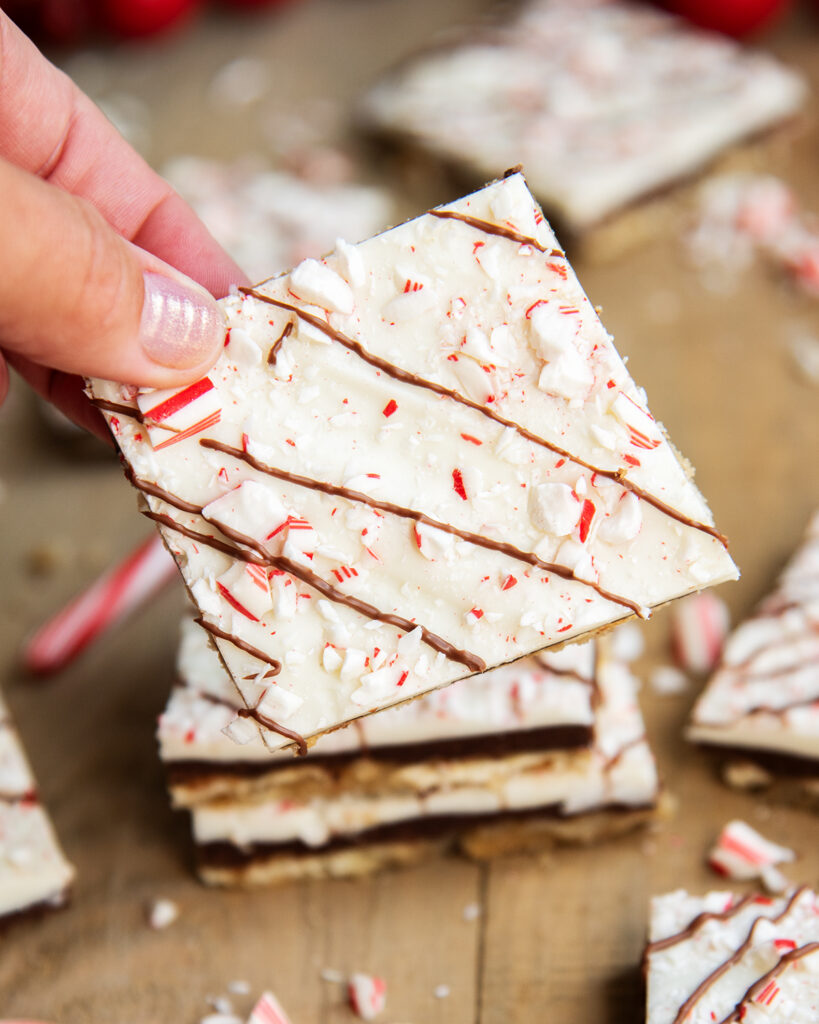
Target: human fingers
75, 296
51, 129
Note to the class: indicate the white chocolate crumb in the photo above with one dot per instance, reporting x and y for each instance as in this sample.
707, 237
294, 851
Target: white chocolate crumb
668, 681
162, 914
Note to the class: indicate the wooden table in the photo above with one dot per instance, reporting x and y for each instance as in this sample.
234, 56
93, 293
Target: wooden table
559, 938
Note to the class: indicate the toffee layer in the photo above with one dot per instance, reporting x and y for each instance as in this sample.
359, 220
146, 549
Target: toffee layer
224, 854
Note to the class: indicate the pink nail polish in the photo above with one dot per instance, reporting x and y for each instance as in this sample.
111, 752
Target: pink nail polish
181, 325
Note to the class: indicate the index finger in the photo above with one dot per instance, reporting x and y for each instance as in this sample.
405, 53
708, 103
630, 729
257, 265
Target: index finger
52, 129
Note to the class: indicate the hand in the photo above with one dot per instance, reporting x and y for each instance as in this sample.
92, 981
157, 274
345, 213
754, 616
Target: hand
94, 248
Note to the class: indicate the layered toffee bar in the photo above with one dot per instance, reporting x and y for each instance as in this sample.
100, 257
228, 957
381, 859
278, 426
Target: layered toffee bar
602, 103
761, 707
723, 958
551, 748
33, 870
418, 458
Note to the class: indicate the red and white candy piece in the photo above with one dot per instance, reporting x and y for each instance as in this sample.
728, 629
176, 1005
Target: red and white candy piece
699, 626
172, 415
268, 1011
118, 593
246, 589
367, 995
742, 853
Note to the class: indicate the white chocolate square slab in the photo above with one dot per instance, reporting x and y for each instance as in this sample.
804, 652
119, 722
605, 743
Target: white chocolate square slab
33, 870
419, 458
603, 103
764, 696
724, 957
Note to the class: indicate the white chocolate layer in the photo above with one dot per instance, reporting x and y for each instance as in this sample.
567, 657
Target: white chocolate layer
756, 957
601, 102
33, 869
765, 693
526, 695
571, 782
500, 322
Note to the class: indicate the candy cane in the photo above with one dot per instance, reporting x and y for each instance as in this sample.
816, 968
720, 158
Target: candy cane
119, 592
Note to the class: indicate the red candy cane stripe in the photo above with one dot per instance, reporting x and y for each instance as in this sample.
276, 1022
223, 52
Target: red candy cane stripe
367, 995
178, 401
119, 592
196, 428
268, 1010
699, 625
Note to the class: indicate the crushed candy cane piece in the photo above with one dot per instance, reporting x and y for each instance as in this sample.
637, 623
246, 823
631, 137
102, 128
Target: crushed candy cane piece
367, 995
699, 626
742, 853
268, 1011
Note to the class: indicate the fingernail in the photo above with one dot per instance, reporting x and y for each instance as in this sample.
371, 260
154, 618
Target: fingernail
181, 325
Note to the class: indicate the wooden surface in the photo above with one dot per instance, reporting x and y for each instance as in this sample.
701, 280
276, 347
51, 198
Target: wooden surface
559, 938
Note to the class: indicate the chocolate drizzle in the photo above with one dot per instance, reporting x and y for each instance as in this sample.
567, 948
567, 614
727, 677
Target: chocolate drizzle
762, 983
243, 645
489, 228
282, 730
618, 475
311, 579
147, 487
419, 517
694, 926
735, 957
307, 576
202, 538
116, 407
272, 355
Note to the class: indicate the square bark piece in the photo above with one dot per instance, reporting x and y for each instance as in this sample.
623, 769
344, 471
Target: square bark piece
761, 705
603, 103
725, 957
417, 459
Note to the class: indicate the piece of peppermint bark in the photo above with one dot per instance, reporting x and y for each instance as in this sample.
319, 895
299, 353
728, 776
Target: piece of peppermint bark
418, 458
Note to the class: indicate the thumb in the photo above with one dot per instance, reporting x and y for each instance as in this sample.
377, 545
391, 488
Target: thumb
76, 296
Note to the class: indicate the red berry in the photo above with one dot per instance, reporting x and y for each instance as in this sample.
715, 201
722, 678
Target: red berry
731, 17
135, 19
250, 5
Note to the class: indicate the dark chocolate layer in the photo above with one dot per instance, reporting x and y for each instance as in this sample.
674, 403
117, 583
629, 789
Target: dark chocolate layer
791, 765
547, 738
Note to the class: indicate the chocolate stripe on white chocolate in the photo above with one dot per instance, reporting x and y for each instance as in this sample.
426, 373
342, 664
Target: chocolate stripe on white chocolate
735, 957
118, 407
243, 645
282, 730
418, 517
437, 643
277, 344
307, 576
759, 986
489, 228
696, 924
410, 378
